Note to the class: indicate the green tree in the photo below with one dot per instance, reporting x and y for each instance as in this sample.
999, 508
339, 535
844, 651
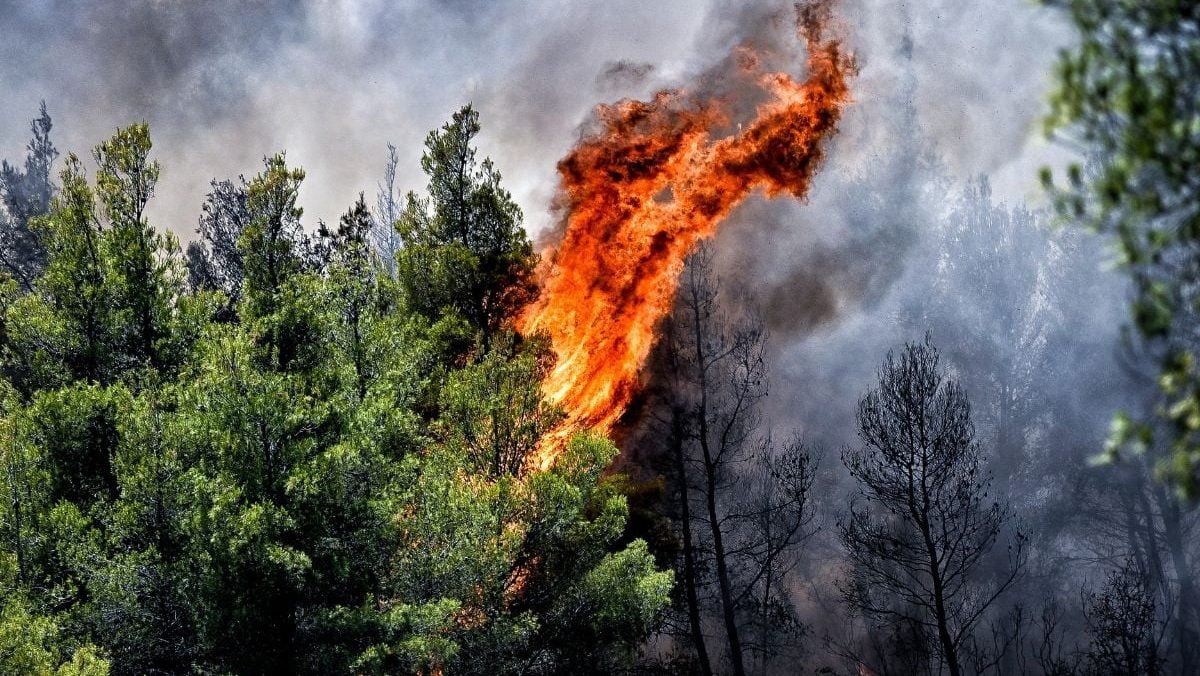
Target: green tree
145, 589
350, 268
271, 244
517, 575
1127, 94
492, 415
274, 251
111, 299
144, 270
75, 322
464, 247
32, 644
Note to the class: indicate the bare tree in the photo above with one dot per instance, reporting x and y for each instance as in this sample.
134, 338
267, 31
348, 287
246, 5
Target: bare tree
727, 377
1121, 517
744, 502
674, 421
917, 545
25, 195
385, 238
778, 517
1123, 622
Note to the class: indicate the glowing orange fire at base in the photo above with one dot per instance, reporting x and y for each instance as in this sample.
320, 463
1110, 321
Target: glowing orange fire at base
640, 193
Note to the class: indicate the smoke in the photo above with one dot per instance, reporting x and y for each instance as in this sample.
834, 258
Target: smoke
623, 75
224, 83
947, 91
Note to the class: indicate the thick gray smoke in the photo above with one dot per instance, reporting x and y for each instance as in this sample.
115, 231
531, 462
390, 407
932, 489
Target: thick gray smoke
224, 83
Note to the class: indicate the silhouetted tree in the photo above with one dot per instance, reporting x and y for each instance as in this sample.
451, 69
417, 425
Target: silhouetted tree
216, 261
1123, 624
1120, 514
917, 542
26, 195
744, 503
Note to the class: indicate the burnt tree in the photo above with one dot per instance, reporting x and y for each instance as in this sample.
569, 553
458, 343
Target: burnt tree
918, 540
743, 503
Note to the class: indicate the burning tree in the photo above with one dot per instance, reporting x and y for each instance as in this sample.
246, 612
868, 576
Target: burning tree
918, 547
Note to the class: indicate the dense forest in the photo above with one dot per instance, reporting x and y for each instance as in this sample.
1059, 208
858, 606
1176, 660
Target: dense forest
295, 447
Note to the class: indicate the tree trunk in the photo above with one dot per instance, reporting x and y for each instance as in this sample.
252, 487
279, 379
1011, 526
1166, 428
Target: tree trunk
769, 579
949, 650
689, 552
710, 476
921, 516
1186, 615
723, 581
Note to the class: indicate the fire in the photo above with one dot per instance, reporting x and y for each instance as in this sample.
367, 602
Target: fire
641, 192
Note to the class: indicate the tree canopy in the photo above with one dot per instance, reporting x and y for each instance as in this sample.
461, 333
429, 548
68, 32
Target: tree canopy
295, 463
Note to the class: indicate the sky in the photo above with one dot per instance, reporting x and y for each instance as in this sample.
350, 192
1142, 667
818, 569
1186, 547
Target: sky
224, 83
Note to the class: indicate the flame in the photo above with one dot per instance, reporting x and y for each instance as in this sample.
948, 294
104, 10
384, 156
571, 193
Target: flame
641, 192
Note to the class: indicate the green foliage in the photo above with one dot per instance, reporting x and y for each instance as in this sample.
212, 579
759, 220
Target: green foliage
492, 416
528, 561
109, 301
144, 268
271, 244
323, 476
28, 645
1128, 91
464, 247
74, 287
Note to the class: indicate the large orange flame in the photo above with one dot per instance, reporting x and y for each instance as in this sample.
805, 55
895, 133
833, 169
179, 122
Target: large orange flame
641, 192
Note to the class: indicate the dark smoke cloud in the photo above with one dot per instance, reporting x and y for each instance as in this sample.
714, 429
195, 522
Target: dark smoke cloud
126, 60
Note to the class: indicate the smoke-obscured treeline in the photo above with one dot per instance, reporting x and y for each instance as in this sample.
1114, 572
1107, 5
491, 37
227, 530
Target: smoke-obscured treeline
965, 463
936, 443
